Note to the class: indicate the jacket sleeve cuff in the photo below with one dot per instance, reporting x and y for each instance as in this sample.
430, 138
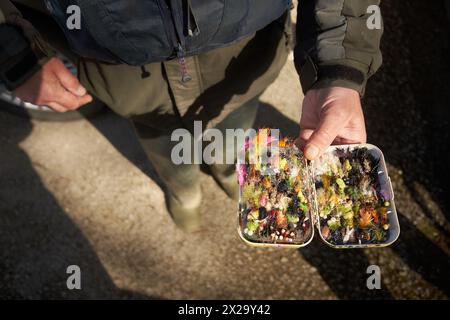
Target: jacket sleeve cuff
19, 59
345, 73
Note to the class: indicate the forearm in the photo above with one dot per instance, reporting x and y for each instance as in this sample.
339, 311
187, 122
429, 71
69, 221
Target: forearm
335, 47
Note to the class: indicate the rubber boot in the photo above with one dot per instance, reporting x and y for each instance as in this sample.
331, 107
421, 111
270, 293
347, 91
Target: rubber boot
183, 194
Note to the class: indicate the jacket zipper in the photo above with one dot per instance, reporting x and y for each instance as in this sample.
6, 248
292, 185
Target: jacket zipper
174, 28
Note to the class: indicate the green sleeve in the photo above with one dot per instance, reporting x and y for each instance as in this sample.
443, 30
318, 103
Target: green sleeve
335, 45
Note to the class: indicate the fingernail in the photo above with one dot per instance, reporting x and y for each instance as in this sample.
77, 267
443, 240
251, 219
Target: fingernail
311, 152
81, 91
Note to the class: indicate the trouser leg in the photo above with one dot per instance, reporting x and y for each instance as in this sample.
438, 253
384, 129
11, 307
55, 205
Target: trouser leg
241, 118
146, 101
183, 194
224, 78
181, 181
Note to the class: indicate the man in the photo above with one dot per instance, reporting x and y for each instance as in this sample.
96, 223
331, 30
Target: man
167, 63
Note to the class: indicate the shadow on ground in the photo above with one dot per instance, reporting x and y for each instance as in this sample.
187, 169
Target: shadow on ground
122, 136
341, 269
38, 241
407, 101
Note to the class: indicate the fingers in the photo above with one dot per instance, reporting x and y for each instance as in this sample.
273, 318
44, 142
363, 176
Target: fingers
69, 94
57, 107
66, 103
55, 87
303, 137
67, 79
87, 98
70, 101
324, 135
56, 95
340, 140
359, 136
329, 116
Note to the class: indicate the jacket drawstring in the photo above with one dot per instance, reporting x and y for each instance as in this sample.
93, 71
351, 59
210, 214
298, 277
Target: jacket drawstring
144, 72
193, 29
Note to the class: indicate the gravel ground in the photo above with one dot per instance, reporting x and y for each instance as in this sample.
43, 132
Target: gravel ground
83, 193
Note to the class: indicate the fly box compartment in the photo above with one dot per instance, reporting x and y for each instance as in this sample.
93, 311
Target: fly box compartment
345, 196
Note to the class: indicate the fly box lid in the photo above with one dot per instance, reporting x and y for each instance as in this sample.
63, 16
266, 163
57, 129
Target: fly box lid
346, 194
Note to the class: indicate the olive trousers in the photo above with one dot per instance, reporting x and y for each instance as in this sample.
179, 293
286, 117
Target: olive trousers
222, 92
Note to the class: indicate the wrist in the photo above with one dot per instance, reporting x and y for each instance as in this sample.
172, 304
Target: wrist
18, 60
340, 83
346, 74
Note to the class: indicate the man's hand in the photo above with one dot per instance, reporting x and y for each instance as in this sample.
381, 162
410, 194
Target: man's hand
54, 86
330, 116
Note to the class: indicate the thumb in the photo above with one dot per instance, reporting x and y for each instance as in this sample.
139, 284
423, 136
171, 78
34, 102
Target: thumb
68, 80
322, 137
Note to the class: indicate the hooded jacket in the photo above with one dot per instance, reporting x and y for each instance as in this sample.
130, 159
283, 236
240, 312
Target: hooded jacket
335, 46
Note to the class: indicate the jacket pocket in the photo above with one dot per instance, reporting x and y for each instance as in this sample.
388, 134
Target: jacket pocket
132, 30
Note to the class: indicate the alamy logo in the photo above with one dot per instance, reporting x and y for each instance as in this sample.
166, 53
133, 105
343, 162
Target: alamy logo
224, 147
374, 280
374, 20
74, 280
73, 22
